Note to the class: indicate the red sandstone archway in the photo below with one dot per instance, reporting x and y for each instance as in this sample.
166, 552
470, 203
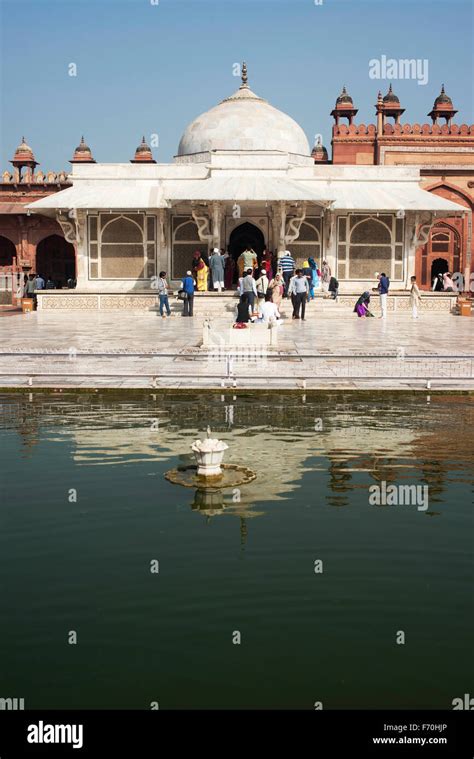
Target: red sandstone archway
7, 253
453, 245
443, 245
55, 258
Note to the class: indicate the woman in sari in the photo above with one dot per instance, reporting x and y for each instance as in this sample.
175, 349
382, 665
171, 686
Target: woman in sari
361, 307
267, 264
277, 287
195, 261
314, 273
202, 272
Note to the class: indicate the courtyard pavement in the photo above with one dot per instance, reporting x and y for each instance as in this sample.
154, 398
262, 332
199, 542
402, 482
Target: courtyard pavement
130, 350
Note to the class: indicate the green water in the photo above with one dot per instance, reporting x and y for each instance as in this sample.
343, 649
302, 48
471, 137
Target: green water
236, 561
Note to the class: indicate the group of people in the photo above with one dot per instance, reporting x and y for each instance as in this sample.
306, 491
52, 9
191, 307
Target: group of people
219, 271
215, 271
261, 292
261, 298
444, 283
33, 282
361, 307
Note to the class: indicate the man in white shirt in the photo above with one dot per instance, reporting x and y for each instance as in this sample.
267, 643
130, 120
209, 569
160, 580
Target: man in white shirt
262, 287
269, 310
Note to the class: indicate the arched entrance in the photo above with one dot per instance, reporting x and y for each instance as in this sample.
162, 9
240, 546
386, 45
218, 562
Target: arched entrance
55, 258
441, 253
7, 252
246, 234
438, 266
7, 257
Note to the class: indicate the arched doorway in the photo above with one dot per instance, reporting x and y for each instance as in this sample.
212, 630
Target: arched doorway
246, 234
7, 253
7, 258
438, 266
55, 258
441, 253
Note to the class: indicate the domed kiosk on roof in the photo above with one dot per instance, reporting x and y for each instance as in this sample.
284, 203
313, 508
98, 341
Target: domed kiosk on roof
244, 122
442, 108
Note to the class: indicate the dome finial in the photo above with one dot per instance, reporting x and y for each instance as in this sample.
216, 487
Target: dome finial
82, 153
245, 80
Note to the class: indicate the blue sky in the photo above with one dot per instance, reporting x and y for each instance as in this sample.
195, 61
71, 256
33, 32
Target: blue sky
145, 68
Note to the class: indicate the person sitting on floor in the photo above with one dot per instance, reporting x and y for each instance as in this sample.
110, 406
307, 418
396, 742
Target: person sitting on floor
244, 310
269, 310
361, 307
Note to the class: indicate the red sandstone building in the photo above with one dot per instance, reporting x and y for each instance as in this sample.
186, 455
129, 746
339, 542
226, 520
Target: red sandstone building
443, 152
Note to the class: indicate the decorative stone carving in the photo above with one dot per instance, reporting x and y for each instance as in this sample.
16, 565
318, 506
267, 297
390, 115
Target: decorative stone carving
71, 223
294, 225
202, 222
127, 302
422, 228
68, 302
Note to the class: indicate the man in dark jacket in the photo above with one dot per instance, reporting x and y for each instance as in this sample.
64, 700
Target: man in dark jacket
188, 287
384, 284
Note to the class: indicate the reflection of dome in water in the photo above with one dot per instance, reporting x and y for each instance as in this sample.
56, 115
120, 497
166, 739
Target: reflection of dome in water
243, 121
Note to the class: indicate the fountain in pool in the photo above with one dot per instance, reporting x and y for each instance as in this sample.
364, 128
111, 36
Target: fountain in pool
209, 473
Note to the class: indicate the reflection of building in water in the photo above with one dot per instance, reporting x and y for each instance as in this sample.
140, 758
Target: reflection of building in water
281, 449
359, 443
19, 416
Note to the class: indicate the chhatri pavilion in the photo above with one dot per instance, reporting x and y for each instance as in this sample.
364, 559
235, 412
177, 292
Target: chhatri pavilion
244, 174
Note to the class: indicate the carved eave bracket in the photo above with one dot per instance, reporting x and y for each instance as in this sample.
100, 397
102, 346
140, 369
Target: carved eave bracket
203, 224
422, 228
71, 223
293, 225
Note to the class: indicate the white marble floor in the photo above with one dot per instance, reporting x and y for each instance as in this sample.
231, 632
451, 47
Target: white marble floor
143, 350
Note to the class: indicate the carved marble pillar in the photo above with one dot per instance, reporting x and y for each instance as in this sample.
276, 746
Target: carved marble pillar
282, 228
216, 211
273, 218
23, 254
73, 224
329, 251
163, 253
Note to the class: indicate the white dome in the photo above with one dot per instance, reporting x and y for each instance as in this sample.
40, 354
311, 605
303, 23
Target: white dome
243, 122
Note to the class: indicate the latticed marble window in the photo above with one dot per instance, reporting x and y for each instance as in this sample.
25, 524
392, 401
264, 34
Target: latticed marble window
308, 244
185, 242
367, 244
122, 246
